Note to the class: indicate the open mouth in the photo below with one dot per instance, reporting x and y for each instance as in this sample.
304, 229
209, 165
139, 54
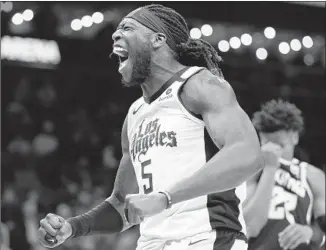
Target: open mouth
122, 55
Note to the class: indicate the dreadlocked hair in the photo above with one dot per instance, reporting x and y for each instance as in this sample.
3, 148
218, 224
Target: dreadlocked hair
278, 115
190, 52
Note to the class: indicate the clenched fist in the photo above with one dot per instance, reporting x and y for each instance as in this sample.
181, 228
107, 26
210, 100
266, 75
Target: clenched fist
54, 230
272, 153
138, 206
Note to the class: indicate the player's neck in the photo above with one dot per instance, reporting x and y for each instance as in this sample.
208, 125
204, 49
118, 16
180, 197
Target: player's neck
288, 156
161, 73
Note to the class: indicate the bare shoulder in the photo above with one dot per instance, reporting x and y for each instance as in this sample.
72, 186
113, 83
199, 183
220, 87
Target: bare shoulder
316, 180
205, 90
315, 174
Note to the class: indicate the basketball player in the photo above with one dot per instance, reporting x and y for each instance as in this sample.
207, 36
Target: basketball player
284, 197
188, 147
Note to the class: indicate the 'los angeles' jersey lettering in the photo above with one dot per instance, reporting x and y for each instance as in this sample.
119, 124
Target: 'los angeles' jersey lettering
150, 135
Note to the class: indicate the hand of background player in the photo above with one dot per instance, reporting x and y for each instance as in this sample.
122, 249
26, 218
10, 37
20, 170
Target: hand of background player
138, 206
272, 153
54, 230
294, 235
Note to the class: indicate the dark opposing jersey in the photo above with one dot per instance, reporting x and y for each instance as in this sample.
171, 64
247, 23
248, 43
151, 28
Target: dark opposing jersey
291, 203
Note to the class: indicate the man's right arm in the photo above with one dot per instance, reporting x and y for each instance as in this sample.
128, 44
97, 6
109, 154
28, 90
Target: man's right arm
259, 191
256, 206
109, 215
125, 182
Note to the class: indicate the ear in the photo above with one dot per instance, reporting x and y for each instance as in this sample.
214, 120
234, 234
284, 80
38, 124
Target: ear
158, 40
295, 138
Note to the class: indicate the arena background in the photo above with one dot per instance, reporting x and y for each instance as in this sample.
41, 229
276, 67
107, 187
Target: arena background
62, 104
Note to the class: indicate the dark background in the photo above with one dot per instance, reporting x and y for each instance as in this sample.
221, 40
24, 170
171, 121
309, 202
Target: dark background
60, 123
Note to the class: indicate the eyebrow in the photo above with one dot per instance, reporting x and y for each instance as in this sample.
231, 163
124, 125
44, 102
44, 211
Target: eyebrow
125, 23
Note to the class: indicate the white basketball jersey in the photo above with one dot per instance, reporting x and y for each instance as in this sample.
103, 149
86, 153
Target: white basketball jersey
167, 144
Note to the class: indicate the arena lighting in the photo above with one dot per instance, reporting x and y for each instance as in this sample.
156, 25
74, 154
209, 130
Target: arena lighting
308, 60
295, 45
30, 50
261, 53
195, 33
223, 46
6, 6
235, 42
246, 39
87, 21
28, 15
284, 48
207, 30
97, 17
269, 32
17, 19
76, 24
307, 42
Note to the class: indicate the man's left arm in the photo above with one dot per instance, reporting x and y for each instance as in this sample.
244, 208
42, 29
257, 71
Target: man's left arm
230, 128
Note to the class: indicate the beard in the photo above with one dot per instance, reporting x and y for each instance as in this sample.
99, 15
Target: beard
141, 66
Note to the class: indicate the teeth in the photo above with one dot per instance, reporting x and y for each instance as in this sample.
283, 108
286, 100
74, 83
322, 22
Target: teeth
120, 51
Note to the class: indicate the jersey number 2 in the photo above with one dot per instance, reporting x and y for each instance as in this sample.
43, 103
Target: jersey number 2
148, 176
282, 204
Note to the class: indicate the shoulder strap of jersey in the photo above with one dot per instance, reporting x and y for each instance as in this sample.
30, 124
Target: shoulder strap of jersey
177, 87
303, 170
304, 178
134, 107
190, 72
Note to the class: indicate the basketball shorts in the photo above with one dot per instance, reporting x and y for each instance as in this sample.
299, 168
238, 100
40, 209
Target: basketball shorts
213, 240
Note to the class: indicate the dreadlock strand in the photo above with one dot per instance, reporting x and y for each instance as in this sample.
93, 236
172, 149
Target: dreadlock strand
197, 52
190, 52
173, 21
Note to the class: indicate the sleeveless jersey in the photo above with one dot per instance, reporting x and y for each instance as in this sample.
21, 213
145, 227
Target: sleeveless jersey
291, 203
167, 143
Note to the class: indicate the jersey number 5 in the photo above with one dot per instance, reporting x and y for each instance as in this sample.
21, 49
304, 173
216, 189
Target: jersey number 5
282, 204
148, 176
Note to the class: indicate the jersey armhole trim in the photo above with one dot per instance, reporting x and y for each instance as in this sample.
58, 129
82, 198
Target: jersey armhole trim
304, 178
129, 113
187, 112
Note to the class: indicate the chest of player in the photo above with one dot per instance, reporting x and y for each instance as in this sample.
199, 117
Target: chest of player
291, 197
291, 179
159, 127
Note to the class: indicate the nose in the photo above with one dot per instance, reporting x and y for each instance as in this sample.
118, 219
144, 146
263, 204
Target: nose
116, 35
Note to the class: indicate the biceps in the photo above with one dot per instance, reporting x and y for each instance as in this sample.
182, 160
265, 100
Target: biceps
125, 181
229, 126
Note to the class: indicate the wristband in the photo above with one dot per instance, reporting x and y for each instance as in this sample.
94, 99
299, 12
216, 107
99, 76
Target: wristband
168, 197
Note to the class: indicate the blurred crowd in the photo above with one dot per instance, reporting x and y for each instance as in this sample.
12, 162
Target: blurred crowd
57, 157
